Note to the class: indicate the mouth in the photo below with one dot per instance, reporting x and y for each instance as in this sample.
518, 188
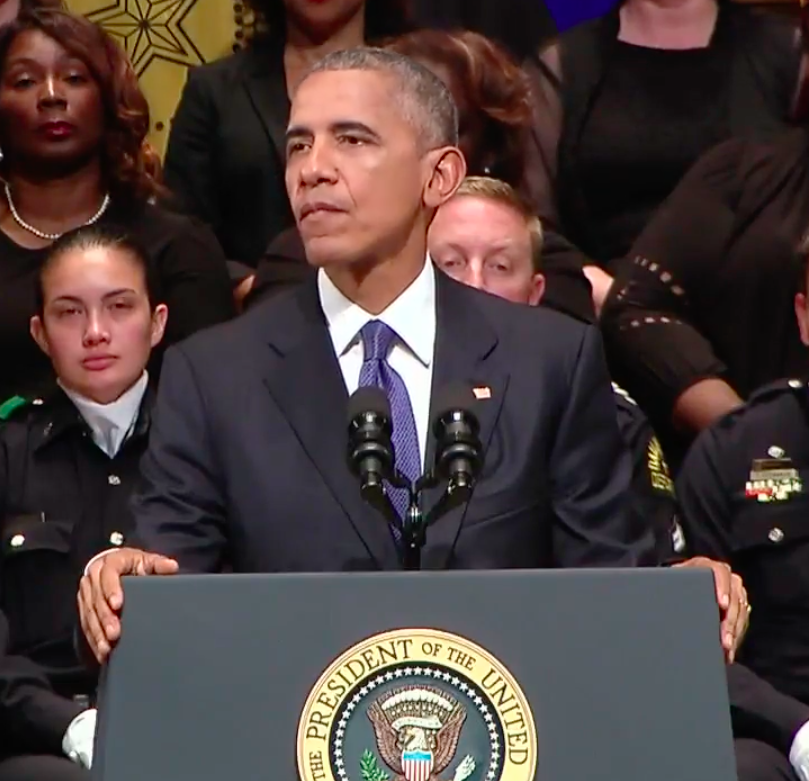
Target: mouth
57, 130
319, 209
97, 363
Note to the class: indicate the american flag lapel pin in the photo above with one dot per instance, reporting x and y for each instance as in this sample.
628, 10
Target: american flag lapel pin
482, 392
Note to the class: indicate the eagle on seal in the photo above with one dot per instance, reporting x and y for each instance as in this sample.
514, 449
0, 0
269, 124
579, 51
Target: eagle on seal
417, 730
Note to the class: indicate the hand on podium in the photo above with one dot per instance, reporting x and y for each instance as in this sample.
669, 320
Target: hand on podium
101, 596
731, 597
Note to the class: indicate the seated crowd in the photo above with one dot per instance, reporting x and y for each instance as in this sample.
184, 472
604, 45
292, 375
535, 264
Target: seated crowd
634, 192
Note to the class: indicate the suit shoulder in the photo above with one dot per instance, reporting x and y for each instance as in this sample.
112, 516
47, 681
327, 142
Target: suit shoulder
536, 320
223, 68
230, 341
775, 408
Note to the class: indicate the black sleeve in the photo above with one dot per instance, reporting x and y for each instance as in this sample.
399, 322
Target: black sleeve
651, 494
567, 290
590, 474
649, 320
194, 282
32, 716
189, 163
705, 496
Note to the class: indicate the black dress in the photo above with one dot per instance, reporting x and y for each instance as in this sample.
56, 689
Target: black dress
710, 285
191, 271
617, 126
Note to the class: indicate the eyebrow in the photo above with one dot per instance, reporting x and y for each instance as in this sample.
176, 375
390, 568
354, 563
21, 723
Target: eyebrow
112, 294
63, 59
343, 126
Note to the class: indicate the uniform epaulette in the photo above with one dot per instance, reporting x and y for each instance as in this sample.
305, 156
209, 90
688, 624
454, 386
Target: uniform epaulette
777, 388
616, 388
17, 406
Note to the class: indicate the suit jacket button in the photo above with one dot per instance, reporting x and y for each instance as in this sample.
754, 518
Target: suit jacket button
17, 541
776, 535
114, 480
116, 538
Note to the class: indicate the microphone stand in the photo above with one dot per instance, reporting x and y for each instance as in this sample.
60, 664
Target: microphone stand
413, 528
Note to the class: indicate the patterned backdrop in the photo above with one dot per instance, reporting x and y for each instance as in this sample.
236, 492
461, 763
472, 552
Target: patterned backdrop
164, 37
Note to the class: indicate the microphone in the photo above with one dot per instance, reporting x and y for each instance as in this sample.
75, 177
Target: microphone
370, 449
458, 451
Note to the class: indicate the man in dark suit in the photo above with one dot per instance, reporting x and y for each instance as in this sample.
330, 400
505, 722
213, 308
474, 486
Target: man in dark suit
247, 461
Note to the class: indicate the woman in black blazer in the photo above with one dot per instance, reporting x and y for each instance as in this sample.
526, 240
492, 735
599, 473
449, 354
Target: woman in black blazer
225, 157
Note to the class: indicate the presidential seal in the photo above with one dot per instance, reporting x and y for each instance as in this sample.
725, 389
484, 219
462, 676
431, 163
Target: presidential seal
416, 705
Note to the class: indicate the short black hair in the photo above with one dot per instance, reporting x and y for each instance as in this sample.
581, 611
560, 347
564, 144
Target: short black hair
99, 237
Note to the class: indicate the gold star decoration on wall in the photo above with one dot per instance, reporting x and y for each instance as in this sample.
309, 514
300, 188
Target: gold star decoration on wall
150, 30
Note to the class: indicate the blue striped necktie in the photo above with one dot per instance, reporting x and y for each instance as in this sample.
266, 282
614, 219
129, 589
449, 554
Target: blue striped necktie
377, 341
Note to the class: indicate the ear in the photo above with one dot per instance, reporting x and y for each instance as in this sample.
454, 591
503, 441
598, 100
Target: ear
802, 316
37, 330
537, 289
446, 169
159, 318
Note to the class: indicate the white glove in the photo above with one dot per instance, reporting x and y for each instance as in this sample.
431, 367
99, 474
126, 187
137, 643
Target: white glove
799, 753
79, 738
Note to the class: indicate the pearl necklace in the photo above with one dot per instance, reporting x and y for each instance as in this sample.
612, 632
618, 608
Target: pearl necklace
50, 236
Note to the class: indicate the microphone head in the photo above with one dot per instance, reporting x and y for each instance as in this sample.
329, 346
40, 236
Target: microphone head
370, 450
459, 452
367, 400
451, 401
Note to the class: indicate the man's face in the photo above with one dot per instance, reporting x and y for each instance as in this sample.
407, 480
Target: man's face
355, 175
486, 244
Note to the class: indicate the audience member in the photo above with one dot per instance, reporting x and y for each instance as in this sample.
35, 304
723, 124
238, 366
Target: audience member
225, 156
73, 124
703, 314
10, 9
270, 387
494, 103
487, 237
520, 26
627, 103
97, 320
744, 497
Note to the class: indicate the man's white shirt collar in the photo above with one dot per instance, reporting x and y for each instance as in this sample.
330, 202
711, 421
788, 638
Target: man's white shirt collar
411, 315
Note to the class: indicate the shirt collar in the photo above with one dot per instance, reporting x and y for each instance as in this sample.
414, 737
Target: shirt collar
411, 315
111, 423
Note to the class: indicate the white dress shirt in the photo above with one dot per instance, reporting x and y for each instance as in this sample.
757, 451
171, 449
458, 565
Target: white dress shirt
111, 423
412, 317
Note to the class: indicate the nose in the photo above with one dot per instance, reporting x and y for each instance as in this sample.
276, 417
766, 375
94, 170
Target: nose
318, 166
96, 331
474, 275
51, 93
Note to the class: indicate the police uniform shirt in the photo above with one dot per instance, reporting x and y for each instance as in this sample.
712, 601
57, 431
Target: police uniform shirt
62, 499
744, 497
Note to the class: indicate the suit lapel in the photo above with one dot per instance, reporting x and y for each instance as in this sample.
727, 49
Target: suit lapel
265, 81
308, 386
465, 353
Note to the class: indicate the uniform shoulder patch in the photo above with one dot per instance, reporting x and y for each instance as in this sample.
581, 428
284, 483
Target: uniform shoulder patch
659, 473
12, 407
